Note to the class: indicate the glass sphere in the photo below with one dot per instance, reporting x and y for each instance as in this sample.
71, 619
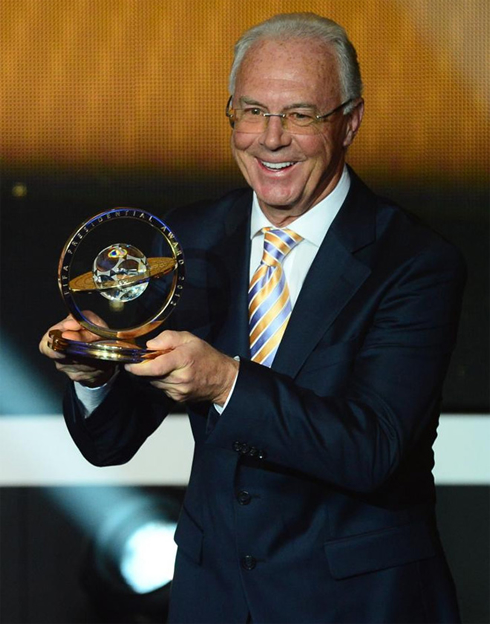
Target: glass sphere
122, 265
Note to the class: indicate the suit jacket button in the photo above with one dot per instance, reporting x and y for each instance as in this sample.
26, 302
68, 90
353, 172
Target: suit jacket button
253, 452
248, 562
262, 455
243, 497
237, 446
244, 449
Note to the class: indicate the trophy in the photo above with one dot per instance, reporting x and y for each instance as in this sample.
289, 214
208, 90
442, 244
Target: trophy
126, 266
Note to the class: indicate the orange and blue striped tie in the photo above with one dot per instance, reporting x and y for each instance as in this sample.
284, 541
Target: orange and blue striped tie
269, 304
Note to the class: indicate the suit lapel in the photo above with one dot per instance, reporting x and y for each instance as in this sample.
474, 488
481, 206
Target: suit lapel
334, 277
234, 251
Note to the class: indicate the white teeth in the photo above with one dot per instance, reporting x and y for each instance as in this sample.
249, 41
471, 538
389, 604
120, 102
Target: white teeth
282, 165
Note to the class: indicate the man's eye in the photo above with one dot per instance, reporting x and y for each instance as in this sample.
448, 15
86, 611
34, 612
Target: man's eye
252, 112
299, 116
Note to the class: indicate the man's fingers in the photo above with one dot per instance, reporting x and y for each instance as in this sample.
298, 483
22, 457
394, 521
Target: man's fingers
171, 359
48, 352
90, 373
70, 329
189, 369
81, 336
168, 340
68, 324
160, 366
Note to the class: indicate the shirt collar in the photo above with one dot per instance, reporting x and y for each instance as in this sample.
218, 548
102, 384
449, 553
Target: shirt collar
313, 225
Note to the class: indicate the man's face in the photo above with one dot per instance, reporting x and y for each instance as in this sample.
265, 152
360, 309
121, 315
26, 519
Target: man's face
290, 173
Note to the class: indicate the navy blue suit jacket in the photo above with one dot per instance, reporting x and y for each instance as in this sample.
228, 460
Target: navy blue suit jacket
311, 498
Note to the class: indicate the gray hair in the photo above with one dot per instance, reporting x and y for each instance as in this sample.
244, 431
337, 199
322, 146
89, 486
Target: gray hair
306, 26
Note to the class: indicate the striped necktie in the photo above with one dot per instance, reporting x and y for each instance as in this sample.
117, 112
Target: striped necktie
269, 304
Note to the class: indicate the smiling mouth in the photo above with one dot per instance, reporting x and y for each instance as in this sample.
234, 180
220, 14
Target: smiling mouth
271, 166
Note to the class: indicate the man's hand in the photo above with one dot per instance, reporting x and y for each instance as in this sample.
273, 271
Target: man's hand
189, 369
91, 373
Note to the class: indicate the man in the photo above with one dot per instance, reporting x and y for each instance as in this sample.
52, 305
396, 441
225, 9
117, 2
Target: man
311, 497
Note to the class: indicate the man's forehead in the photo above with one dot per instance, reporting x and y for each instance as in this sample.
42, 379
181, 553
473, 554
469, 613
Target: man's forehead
288, 65
295, 50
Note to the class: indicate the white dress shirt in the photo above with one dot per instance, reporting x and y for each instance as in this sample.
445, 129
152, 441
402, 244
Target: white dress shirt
311, 226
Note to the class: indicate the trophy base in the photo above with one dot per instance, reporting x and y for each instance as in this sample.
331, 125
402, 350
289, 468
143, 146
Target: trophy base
108, 350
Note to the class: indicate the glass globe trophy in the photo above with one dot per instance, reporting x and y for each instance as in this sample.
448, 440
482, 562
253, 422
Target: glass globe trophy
125, 268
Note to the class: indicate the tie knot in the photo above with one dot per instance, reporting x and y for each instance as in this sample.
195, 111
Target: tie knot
278, 243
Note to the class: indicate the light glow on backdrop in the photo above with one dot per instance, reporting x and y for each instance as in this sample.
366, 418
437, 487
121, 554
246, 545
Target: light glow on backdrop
16, 372
142, 83
129, 564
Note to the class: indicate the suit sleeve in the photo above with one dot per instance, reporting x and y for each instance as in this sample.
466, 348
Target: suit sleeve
358, 438
113, 433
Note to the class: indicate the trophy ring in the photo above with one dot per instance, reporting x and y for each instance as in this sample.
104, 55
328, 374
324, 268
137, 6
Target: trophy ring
120, 274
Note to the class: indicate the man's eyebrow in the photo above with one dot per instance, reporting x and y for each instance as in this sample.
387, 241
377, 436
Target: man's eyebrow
252, 102
246, 100
300, 105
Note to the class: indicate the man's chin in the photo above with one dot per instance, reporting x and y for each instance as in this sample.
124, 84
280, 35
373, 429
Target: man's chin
276, 205
280, 212
277, 200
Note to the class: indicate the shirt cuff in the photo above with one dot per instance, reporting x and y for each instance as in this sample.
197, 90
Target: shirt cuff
90, 398
221, 408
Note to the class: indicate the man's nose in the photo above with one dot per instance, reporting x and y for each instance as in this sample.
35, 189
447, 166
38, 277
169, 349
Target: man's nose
275, 136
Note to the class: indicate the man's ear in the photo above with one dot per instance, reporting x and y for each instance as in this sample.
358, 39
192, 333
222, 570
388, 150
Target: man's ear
354, 122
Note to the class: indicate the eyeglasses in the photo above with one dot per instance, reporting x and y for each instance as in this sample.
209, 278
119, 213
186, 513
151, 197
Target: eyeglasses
254, 120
